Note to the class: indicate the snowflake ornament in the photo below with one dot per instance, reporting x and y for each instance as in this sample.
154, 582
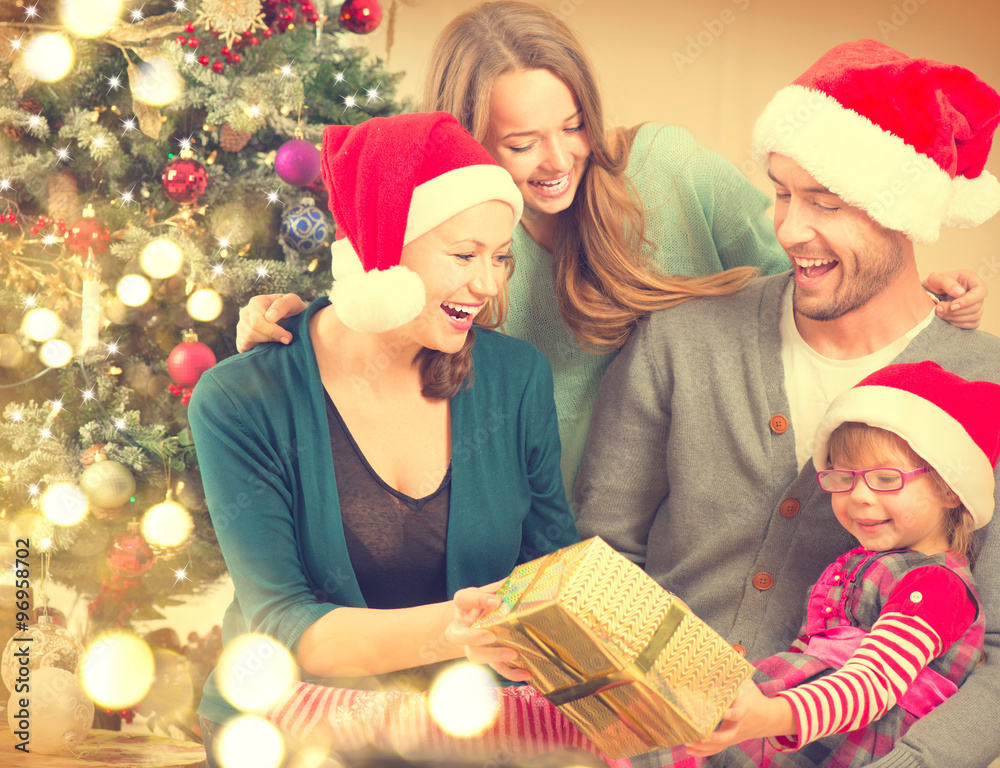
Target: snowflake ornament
231, 18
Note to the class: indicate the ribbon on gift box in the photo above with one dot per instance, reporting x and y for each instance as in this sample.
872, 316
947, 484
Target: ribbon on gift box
634, 673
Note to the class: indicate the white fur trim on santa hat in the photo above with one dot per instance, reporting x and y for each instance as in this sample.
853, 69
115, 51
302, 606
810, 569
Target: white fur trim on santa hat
344, 260
935, 435
868, 167
438, 199
380, 300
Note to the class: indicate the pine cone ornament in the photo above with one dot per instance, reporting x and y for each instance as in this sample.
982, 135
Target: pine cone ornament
231, 139
30, 104
13, 132
62, 195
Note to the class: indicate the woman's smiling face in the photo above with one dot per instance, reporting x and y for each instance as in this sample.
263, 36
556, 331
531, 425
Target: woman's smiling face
537, 134
463, 264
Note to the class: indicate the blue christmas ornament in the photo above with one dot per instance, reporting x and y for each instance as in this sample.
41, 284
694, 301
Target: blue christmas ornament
305, 228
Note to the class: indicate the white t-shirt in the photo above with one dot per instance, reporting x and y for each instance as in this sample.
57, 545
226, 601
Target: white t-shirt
812, 380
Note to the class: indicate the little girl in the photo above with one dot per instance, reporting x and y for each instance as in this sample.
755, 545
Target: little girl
894, 626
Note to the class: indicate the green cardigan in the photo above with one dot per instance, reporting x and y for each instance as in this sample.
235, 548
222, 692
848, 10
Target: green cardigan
702, 217
260, 428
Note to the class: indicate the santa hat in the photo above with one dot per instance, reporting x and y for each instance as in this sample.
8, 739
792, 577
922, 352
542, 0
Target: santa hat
951, 423
391, 180
903, 139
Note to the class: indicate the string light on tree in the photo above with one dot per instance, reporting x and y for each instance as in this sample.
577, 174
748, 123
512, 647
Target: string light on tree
56, 353
117, 669
167, 526
64, 504
48, 57
133, 290
156, 81
161, 258
41, 324
90, 18
204, 305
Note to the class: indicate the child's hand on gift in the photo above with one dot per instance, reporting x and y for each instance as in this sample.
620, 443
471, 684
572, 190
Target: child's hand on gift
480, 644
752, 716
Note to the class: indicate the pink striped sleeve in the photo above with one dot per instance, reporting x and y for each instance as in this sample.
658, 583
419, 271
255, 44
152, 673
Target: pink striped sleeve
344, 720
868, 685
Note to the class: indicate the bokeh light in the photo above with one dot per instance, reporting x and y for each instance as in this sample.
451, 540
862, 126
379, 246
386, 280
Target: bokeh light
204, 305
161, 258
249, 741
167, 524
157, 82
254, 671
56, 353
134, 290
64, 504
90, 18
463, 700
41, 324
117, 669
48, 57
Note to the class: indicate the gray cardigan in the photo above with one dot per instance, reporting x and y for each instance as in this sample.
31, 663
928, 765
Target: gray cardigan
684, 475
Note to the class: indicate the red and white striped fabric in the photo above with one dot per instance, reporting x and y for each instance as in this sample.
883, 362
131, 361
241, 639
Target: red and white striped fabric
399, 722
868, 685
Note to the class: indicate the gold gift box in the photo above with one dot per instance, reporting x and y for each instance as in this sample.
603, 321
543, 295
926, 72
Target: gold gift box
624, 659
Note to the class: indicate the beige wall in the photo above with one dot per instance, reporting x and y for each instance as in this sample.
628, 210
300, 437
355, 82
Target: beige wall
740, 53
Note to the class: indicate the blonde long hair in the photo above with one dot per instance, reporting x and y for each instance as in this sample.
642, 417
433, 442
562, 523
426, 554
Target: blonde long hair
603, 283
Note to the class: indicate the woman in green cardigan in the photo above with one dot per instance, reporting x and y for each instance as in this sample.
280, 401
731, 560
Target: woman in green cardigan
366, 480
615, 223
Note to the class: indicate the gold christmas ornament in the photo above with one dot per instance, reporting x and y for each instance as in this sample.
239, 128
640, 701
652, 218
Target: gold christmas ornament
166, 525
231, 18
107, 484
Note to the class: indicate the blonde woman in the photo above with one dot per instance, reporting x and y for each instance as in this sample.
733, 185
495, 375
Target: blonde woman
616, 224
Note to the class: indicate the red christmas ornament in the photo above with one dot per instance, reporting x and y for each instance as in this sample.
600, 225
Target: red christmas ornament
361, 16
88, 234
189, 360
184, 180
128, 554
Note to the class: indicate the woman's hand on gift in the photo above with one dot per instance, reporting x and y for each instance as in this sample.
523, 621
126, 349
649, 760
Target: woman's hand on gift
480, 644
259, 319
752, 716
967, 291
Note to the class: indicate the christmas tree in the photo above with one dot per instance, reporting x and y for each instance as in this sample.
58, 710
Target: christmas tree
158, 166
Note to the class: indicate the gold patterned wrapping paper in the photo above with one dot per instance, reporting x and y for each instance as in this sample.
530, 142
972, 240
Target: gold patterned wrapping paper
623, 658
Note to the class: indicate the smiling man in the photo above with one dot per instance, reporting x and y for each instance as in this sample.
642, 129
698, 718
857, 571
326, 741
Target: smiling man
698, 465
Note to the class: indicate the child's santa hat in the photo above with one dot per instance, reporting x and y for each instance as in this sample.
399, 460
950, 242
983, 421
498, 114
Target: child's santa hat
391, 180
903, 139
951, 423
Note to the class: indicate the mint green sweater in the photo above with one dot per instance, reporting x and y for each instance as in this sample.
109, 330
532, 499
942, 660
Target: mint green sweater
702, 217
